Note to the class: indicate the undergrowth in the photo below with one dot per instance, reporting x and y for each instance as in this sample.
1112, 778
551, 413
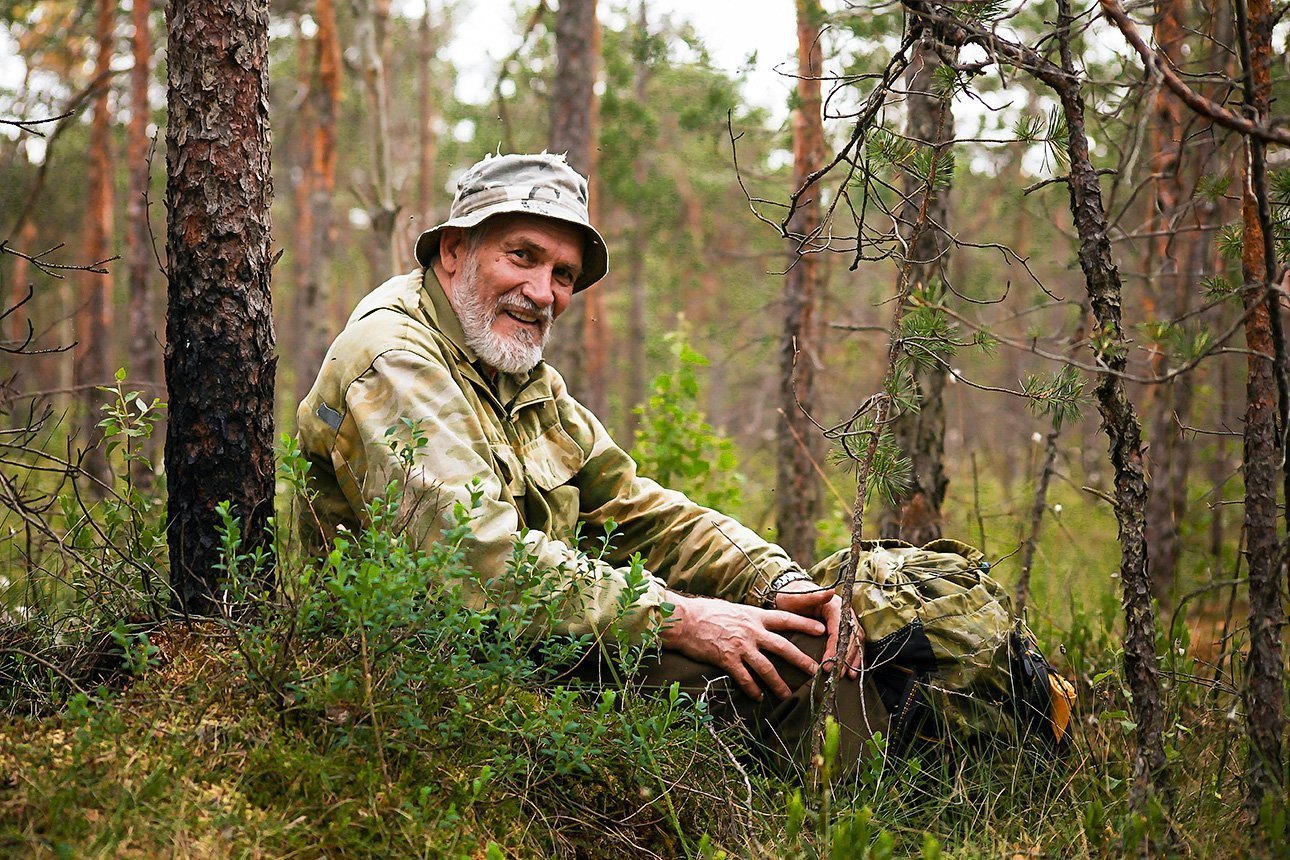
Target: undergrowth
375, 707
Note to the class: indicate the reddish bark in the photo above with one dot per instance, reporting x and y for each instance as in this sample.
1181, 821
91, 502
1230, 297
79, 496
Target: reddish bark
94, 316
139, 260
1264, 669
1171, 287
797, 497
315, 201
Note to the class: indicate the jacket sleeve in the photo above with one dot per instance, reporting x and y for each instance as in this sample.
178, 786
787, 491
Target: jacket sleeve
405, 397
694, 549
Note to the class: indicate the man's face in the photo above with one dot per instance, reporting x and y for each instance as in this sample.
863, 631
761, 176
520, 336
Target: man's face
511, 285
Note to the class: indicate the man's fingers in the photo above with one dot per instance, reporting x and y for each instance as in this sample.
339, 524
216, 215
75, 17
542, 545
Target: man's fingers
778, 619
854, 647
777, 644
762, 665
832, 614
745, 680
809, 597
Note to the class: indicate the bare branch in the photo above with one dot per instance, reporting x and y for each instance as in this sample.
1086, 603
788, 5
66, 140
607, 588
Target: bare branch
1272, 133
27, 125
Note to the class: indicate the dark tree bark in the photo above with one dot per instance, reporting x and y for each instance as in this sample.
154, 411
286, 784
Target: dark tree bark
574, 131
94, 314
797, 496
1264, 669
1119, 418
220, 361
915, 515
1120, 423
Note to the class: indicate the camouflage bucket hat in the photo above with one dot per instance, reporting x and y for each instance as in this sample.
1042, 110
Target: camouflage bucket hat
542, 184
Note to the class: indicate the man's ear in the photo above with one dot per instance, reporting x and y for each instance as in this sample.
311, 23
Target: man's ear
452, 249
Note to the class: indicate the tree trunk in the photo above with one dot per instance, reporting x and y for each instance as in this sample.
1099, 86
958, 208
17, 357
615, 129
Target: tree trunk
139, 260
324, 97
428, 118
797, 499
94, 316
1169, 455
144, 348
1120, 423
916, 514
1264, 672
637, 248
300, 130
372, 21
220, 361
574, 131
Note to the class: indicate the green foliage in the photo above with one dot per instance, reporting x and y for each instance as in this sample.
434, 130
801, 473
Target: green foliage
1211, 187
928, 338
675, 444
1229, 241
890, 469
91, 569
1059, 396
1279, 200
885, 149
1217, 287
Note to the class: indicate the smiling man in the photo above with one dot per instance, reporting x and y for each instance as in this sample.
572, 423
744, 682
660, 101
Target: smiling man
451, 354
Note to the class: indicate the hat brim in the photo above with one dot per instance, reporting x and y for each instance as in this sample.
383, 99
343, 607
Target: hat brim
595, 256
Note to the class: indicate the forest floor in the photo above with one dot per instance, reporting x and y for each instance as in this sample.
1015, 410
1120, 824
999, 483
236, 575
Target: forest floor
189, 759
371, 718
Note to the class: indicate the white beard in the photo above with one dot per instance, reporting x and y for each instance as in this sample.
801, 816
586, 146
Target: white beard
518, 354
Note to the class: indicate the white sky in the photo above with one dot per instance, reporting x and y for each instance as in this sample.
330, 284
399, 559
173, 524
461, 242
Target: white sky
732, 30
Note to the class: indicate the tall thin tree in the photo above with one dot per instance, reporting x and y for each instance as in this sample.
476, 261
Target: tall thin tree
144, 350
378, 195
320, 176
797, 498
220, 361
1169, 273
914, 514
94, 315
574, 129
1264, 668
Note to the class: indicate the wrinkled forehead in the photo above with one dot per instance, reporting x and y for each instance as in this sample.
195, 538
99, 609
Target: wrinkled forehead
551, 233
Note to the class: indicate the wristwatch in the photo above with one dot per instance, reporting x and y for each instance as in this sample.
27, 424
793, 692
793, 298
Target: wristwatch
772, 590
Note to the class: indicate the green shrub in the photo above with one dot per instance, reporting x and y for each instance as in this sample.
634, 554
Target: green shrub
675, 444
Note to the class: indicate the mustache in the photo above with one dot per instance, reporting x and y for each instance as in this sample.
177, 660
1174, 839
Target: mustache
517, 301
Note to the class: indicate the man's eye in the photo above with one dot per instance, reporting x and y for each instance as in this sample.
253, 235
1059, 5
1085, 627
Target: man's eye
564, 276
521, 254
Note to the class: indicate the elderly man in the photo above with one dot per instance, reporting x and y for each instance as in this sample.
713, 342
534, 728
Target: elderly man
454, 350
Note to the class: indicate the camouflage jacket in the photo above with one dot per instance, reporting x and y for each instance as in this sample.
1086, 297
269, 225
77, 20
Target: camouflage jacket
544, 463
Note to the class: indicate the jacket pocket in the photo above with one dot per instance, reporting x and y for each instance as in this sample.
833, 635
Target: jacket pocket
552, 459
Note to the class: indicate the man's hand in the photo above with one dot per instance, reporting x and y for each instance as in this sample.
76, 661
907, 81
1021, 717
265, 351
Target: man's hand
737, 638
806, 598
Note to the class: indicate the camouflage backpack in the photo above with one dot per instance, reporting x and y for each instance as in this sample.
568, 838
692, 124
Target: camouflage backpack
949, 658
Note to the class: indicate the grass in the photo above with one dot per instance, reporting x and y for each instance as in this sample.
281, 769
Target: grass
367, 717
189, 760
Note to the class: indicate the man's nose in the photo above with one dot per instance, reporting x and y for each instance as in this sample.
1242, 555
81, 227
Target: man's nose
540, 286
